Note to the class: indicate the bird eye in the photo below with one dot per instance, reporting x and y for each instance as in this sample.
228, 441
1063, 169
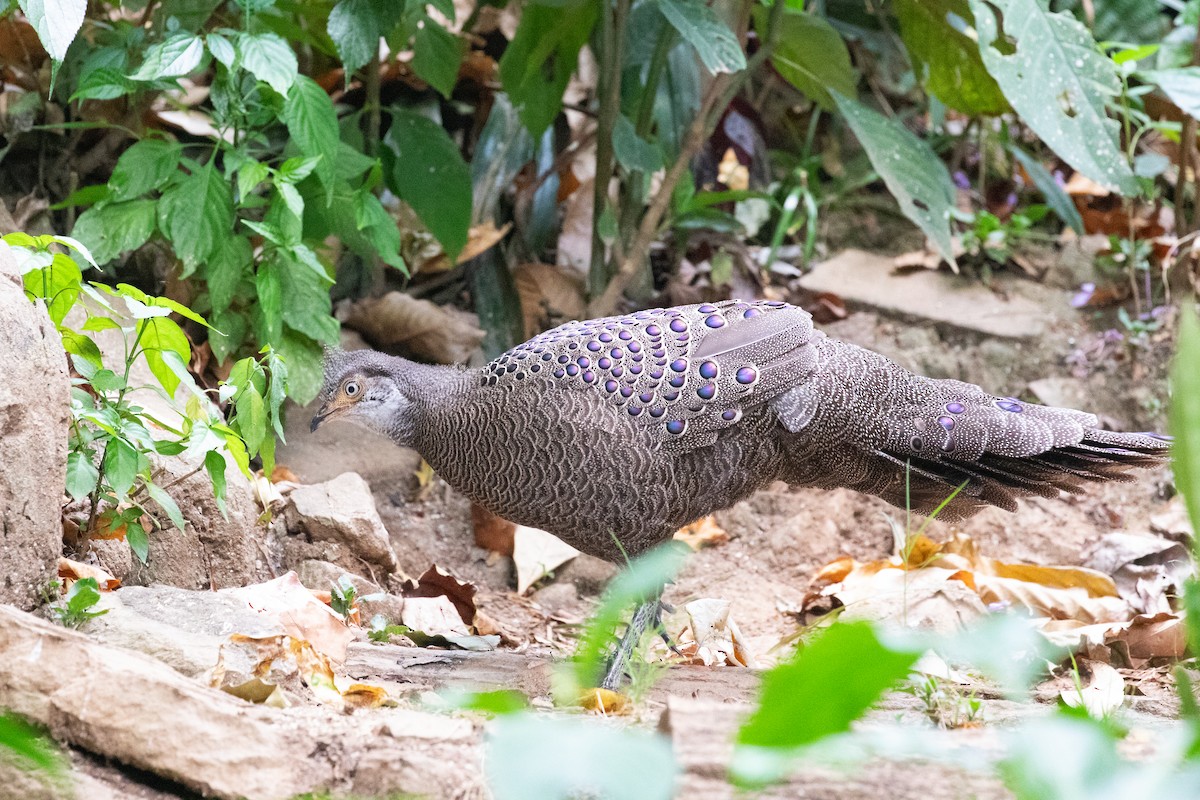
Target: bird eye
351, 389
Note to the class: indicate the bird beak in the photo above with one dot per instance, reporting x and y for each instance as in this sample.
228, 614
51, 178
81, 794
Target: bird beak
318, 418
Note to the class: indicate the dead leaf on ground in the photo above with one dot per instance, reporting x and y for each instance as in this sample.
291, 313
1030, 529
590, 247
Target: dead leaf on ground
605, 702
492, 532
704, 532
537, 554
435, 622
70, 570
1103, 694
480, 239
550, 296
1149, 571
712, 638
422, 329
286, 601
438, 582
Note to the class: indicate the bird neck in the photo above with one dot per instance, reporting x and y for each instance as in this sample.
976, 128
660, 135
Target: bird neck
431, 391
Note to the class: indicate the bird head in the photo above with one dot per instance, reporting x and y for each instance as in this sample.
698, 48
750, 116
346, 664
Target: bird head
368, 388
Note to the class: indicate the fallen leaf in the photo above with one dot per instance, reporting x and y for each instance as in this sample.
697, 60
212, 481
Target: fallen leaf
480, 239
397, 321
70, 570
1104, 693
704, 532
492, 532
550, 296
286, 601
537, 554
433, 616
715, 635
437, 582
606, 702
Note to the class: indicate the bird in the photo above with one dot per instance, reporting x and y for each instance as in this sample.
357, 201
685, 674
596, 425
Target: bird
613, 433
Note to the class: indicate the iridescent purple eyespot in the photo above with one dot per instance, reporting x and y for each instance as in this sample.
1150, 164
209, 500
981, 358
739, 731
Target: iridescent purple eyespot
678, 381
707, 308
679, 365
572, 370
656, 373
659, 353
955, 408
511, 367
563, 359
558, 373
604, 363
747, 375
670, 397
634, 410
606, 337
676, 426
715, 321
637, 356
1011, 406
653, 330
626, 391
616, 352
625, 335
657, 411
594, 346
633, 347
636, 369
708, 370
707, 391
547, 357
589, 376
646, 397
946, 422
678, 325
584, 361
729, 415
610, 385
617, 371
751, 313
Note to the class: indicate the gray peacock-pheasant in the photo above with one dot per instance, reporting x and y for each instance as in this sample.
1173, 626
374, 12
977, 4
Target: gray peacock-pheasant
613, 433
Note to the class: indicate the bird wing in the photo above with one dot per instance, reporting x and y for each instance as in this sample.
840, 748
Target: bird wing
683, 374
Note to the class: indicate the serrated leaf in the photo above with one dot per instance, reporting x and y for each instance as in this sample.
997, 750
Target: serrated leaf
312, 122
437, 54
912, 171
56, 23
269, 309
429, 174
82, 474
303, 357
225, 270
945, 58
810, 55
214, 464
221, 49
177, 55
269, 58
712, 39
120, 466
146, 165
195, 214
355, 26
115, 228
1058, 81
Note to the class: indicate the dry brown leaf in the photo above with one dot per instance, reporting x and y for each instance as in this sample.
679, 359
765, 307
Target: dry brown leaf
1103, 694
606, 702
397, 321
492, 532
1158, 636
438, 582
549, 295
537, 554
480, 239
365, 695
434, 616
286, 601
70, 570
704, 532
715, 636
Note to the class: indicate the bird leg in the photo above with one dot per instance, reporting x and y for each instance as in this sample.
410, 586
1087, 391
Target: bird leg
647, 614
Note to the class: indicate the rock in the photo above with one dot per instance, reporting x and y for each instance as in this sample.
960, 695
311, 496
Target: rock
212, 551
864, 279
336, 521
181, 628
1062, 391
558, 599
34, 416
373, 599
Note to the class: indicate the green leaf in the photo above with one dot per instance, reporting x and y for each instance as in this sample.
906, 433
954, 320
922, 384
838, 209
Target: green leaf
312, 122
306, 304
166, 503
633, 152
437, 54
103, 83
429, 174
177, 55
1058, 200
58, 284
221, 49
226, 269
138, 541
120, 466
945, 58
32, 750
1182, 85
539, 61
303, 357
82, 474
269, 309
56, 23
379, 229
1056, 79
214, 464
700, 27
810, 55
809, 697
251, 418
105, 380
1185, 413
146, 165
83, 594
269, 58
82, 345
297, 169
114, 228
355, 26
249, 176
912, 171
162, 338
195, 214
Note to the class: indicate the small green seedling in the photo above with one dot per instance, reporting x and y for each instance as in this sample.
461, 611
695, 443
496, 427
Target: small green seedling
83, 594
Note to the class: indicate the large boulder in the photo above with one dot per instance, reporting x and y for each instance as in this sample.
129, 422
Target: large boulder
336, 521
34, 416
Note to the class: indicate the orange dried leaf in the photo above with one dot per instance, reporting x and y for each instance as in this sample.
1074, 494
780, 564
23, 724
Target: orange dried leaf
605, 701
704, 532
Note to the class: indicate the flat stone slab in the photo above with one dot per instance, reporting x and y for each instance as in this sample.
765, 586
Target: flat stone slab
867, 279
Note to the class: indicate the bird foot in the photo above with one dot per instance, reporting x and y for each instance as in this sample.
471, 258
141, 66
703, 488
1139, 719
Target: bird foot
645, 615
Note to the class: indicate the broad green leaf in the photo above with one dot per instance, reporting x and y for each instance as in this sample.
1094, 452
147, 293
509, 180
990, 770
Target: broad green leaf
539, 61
166, 503
297, 169
828, 685
576, 757
56, 23
291, 198
306, 304
303, 357
355, 26
105, 380
195, 214
145, 166
1182, 85
30, 748
429, 174
379, 229
945, 58
221, 49
58, 284
162, 339
1058, 200
810, 55
277, 391
82, 345
251, 418
77, 246
633, 152
249, 176
1050, 70
437, 54
214, 464
103, 83
1185, 413
176, 56
912, 171
120, 466
139, 543
269, 58
312, 122
226, 269
269, 309
712, 39
82, 474
115, 228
